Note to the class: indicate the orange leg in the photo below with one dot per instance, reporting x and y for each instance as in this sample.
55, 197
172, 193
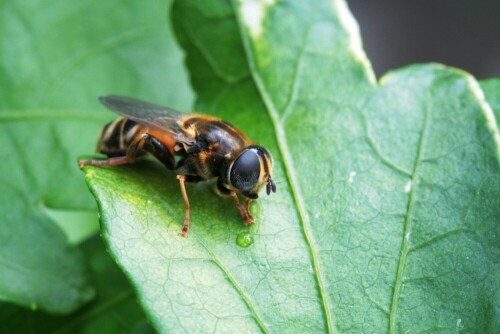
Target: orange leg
115, 161
247, 208
185, 227
247, 219
136, 145
142, 144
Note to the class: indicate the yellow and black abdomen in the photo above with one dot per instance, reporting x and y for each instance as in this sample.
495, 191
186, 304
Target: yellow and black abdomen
116, 137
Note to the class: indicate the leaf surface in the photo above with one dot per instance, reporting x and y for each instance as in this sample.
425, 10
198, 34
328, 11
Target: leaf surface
491, 89
386, 215
56, 58
114, 310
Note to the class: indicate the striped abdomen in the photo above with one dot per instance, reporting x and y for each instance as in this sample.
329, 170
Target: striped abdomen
116, 137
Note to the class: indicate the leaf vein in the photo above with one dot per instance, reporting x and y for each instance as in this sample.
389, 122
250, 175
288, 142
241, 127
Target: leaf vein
123, 39
292, 98
405, 246
32, 115
213, 63
438, 238
372, 143
235, 285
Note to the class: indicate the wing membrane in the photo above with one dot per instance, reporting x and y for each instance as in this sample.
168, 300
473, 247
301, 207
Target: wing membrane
159, 118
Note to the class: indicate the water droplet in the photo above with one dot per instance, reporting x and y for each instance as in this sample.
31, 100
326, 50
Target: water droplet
244, 239
33, 306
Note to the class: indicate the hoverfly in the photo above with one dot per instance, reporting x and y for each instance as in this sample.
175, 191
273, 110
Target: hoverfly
206, 147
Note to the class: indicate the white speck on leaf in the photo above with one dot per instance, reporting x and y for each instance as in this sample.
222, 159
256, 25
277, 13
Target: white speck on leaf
408, 187
459, 325
253, 13
351, 177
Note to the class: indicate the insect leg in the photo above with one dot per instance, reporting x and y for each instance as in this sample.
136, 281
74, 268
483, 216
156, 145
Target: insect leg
193, 178
185, 227
116, 161
247, 208
221, 190
142, 144
247, 219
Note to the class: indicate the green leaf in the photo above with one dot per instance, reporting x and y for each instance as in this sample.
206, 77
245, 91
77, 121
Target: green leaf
114, 310
56, 58
386, 214
491, 89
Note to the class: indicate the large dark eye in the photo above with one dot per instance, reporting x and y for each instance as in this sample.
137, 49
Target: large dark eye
245, 171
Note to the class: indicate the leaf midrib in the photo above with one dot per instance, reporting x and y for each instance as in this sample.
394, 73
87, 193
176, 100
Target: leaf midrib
288, 166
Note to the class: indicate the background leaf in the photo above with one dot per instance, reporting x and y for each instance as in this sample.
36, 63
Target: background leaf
114, 310
386, 213
56, 58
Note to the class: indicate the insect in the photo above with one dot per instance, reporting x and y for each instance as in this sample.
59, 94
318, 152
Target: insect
206, 147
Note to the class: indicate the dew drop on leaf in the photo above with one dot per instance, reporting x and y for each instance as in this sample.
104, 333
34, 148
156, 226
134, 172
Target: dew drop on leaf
244, 239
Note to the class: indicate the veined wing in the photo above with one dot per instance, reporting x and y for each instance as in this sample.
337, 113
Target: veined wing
159, 118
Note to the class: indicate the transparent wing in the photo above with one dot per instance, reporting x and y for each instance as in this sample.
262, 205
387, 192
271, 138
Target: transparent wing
154, 116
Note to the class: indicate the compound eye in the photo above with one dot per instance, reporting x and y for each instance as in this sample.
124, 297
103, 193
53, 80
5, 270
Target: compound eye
245, 171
